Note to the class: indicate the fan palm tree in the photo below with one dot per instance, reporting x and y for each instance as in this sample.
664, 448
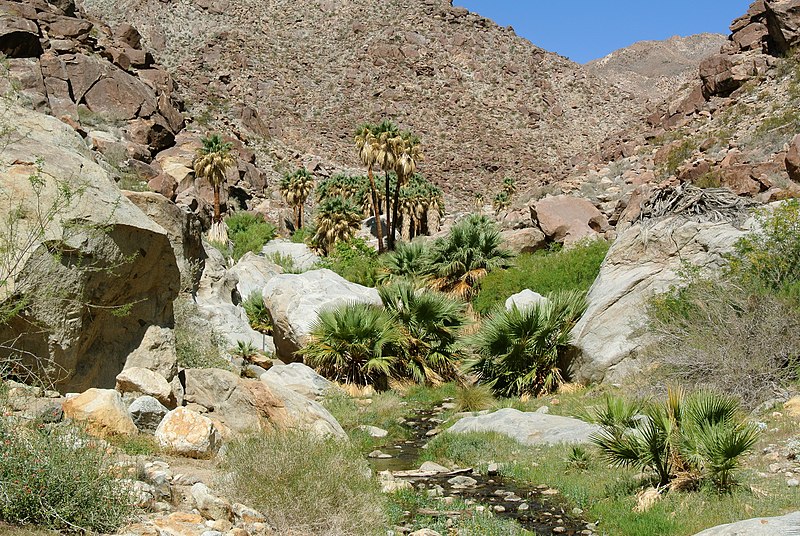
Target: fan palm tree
518, 350
430, 323
295, 189
460, 260
337, 219
385, 132
682, 441
211, 162
355, 343
407, 151
366, 143
501, 202
509, 186
409, 262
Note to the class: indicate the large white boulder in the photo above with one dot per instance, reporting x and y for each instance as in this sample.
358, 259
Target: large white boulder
524, 299
252, 273
101, 411
788, 525
302, 257
299, 378
137, 381
304, 414
99, 253
187, 433
528, 428
642, 262
294, 302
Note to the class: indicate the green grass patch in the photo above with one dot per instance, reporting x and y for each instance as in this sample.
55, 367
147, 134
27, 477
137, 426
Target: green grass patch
248, 233
354, 260
543, 272
136, 445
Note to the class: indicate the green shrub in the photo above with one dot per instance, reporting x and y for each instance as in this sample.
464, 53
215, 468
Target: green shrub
518, 351
194, 345
410, 261
575, 268
474, 397
304, 235
683, 441
305, 484
354, 260
57, 478
286, 262
248, 232
257, 313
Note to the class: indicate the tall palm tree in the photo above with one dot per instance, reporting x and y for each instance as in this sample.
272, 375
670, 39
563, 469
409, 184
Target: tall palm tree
211, 162
460, 260
430, 323
295, 188
366, 143
385, 133
337, 219
407, 151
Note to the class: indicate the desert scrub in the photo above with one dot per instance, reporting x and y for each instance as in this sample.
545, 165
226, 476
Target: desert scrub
248, 233
57, 478
575, 268
306, 484
195, 346
353, 259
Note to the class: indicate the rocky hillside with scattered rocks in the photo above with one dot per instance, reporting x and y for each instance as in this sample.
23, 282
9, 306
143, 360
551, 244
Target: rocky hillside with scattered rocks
295, 78
655, 69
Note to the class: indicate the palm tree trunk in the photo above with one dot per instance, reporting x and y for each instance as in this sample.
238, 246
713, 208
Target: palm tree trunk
389, 220
217, 214
375, 209
395, 202
406, 232
300, 217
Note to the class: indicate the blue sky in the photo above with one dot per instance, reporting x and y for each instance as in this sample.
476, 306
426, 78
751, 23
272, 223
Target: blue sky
584, 30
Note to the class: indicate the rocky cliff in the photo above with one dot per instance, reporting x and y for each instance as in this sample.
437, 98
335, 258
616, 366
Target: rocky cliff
296, 78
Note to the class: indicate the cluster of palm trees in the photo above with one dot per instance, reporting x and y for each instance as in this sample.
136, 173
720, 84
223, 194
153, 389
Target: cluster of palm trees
504, 197
392, 150
295, 189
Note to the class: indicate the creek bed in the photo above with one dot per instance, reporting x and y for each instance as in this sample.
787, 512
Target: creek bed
535, 508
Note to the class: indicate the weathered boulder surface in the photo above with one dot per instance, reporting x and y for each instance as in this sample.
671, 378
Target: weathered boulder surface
187, 433
100, 256
642, 262
302, 257
295, 300
299, 378
304, 414
525, 240
525, 298
568, 219
787, 525
156, 352
102, 411
139, 381
528, 428
253, 272
147, 413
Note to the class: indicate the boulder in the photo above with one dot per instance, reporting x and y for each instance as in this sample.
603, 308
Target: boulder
295, 300
147, 413
219, 304
528, 428
793, 159
299, 378
783, 24
642, 262
101, 411
253, 272
100, 256
156, 352
525, 240
187, 433
19, 37
305, 414
139, 381
763, 526
209, 505
302, 257
524, 299
722, 74
568, 219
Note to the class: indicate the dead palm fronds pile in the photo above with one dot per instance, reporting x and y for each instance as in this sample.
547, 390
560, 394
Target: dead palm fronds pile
700, 204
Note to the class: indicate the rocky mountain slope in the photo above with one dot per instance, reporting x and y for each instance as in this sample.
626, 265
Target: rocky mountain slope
656, 68
295, 78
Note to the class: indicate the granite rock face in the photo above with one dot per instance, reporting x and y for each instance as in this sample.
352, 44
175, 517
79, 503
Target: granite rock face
528, 428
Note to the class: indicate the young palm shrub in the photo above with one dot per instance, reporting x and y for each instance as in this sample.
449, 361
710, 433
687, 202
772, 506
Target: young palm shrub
337, 219
430, 323
685, 440
518, 350
466, 255
408, 262
355, 343
257, 313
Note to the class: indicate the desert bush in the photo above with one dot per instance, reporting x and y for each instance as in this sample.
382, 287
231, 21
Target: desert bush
684, 441
474, 397
306, 485
354, 260
575, 268
194, 345
257, 313
518, 351
355, 343
248, 233
57, 478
